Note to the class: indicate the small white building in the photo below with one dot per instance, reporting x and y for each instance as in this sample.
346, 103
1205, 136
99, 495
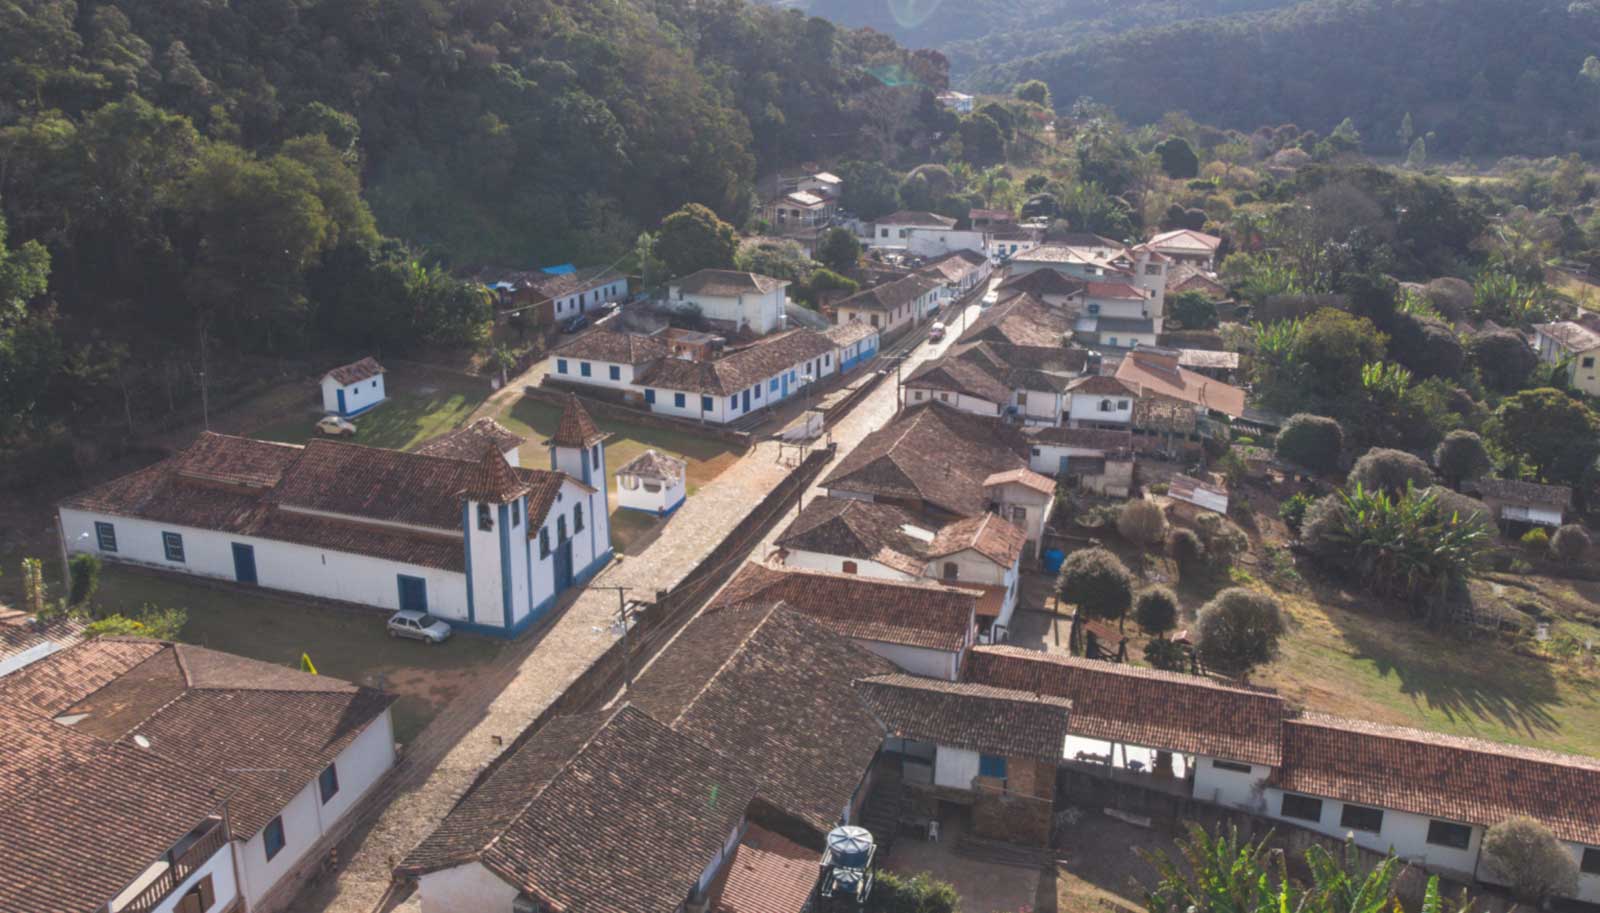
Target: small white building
653, 482
744, 300
892, 305
937, 241
959, 102
1098, 401
895, 230
1575, 343
354, 388
1189, 247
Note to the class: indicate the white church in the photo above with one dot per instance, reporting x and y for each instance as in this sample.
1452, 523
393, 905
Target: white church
478, 542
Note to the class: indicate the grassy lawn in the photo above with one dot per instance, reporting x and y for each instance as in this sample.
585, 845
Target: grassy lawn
420, 406
1587, 295
344, 644
707, 457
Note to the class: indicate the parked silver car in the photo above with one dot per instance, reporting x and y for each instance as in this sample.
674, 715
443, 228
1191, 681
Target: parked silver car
418, 626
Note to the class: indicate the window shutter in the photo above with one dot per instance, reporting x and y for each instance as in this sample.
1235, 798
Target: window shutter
208, 892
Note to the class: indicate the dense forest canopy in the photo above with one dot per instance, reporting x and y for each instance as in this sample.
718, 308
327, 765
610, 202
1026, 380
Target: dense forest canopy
280, 176
1485, 77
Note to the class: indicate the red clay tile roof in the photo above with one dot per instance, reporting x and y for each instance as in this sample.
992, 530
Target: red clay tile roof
467, 442
1518, 492
1208, 358
913, 614
727, 283
493, 480
1116, 291
1152, 709
1023, 476
83, 817
1161, 376
1042, 282
605, 344
955, 375
850, 331
576, 428
264, 730
607, 812
763, 683
355, 372
981, 718
988, 535
739, 370
917, 218
235, 460
558, 285
1021, 320
768, 873
1187, 239
1101, 385
865, 530
890, 295
655, 465
1574, 337
23, 639
932, 453
1085, 438
1440, 776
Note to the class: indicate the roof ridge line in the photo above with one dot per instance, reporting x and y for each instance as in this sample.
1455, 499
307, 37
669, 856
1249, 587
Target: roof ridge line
706, 686
536, 794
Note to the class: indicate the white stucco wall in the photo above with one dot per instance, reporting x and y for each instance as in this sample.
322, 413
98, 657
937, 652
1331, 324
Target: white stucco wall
1035, 507
1236, 789
1039, 407
935, 242
665, 497
762, 313
224, 886
1085, 407
817, 561
955, 767
1404, 833
306, 819
360, 395
916, 660
585, 299
599, 372
465, 888
961, 401
280, 565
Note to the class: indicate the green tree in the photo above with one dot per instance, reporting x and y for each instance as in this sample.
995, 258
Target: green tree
1383, 469
1335, 346
1156, 611
151, 621
871, 189
693, 238
983, 143
29, 351
1502, 358
1461, 456
1417, 154
1194, 310
1552, 432
84, 578
1178, 158
1528, 856
1034, 91
839, 250
1238, 630
1097, 582
1312, 441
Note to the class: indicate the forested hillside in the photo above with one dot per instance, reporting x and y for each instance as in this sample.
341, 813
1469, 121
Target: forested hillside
280, 176
1484, 77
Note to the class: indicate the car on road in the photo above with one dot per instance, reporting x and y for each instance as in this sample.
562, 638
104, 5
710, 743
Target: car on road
418, 626
575, 323
335, 426
936, 334
990, 298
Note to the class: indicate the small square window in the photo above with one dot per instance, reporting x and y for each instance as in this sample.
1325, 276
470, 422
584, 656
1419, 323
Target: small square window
678, 400
993, 766
1361, 818
106, 535
328, 783
706, 405
374, 385
272, 837
1303, 807
733, 402
758, 391
1450, 834
1591, 861
577, 518
561, 366
616, 372
773, 385
583, 368
1588, 361
172, 544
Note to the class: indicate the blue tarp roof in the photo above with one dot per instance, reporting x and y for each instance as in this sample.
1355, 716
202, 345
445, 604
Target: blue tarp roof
560, 270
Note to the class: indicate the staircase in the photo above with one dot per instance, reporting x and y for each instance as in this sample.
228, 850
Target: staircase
884, 809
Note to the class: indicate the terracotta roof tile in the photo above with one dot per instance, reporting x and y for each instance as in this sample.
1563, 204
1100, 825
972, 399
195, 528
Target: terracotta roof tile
655, 465
1101, 385
988, 535
890, 295
1440, 776
608, 812
917, 218
615, 346
1157, 374
727, 283
355, 372
864, 530
1574, 337
1165, 710
468, 441
1021, 320
1022, 476
1042, 282
740, 369
955, 375
981, 718
850, 331
768, 873
1518, 492
1103, 439
763, 683
493, 480
914, 614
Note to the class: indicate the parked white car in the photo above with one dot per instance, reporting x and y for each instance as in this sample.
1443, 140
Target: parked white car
336, 426
418, 626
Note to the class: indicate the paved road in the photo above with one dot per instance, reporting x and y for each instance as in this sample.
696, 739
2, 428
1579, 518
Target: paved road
427, 788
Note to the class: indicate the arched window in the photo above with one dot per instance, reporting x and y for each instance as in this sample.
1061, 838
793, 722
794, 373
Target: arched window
485, 518
577, 518
561, 530
544, 542
849, 567
1106, 406
951, 570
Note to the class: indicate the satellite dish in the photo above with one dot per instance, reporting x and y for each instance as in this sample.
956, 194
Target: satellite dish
141, 741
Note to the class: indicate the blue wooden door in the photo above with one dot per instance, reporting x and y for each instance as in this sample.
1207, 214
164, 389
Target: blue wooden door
563, 566
649, 396
342, 410
747, 400
413, 593
244, 561
785, 382
1063, 470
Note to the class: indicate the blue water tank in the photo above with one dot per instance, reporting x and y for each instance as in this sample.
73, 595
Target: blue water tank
850, 846
1053, 559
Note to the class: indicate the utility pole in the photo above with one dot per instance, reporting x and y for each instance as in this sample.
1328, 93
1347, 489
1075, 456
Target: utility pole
623, 617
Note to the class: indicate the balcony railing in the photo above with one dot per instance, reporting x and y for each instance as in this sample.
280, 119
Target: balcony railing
180, 865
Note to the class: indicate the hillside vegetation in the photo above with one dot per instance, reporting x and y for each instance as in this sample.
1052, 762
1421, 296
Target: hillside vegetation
1483, 76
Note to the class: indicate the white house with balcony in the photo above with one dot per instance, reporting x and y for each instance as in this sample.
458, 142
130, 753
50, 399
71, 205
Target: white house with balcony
745, 301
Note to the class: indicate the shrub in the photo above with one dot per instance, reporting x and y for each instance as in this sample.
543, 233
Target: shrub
1461, 456
1097, 582
1503, 359
1238, 630
1223, 539
1569, 544
1293, 510
1528, 857
1312, 441
1188, 551
1536, 541
1170, 655
919, 893
153, 622
1156, 611
84, 570
1141, 523
1383, 470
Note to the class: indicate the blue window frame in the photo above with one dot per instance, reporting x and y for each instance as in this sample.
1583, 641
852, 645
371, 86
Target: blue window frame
374, 385
561, 366
516, 513
272, 837
649, 396
733, 402
583, 368
758, 391
678, 400
616, 372
706, 405
328, 783
791, 375
773, 385
827, 360
106, 536
172, 544
992, 765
